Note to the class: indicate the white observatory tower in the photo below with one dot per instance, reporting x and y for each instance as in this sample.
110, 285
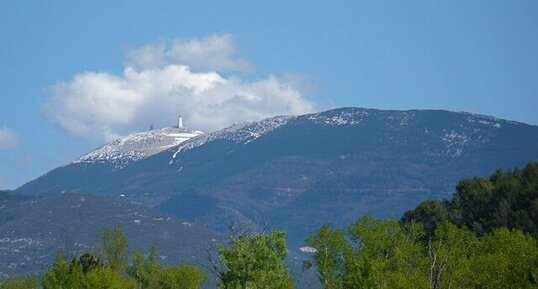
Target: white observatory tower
180, 122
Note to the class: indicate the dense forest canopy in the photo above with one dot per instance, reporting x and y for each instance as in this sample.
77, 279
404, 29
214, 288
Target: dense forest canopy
505, 199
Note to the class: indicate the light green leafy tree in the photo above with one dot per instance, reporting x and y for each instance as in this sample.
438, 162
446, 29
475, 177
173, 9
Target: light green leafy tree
373, 254
449, 252
149, 274
255, 261
181, 277
115, 249
387, 255
63, 275
107, 278
505, 259
145, 271
332, 250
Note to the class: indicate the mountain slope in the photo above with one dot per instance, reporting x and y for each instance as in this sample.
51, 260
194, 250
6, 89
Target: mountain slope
33, 230
99, 166
296, 172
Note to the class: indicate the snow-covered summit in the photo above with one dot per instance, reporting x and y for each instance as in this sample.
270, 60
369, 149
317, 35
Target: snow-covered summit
137, 146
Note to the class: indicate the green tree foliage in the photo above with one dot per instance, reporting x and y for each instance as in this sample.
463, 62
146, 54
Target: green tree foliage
115, 249
388, 249
145, 270
107, 278
429, 214
255, 261
505, 259
149, 274
372, 254
181, 277
25, 282
333, 249
505, 199
448, 254
89, 262
390, 254
64, 275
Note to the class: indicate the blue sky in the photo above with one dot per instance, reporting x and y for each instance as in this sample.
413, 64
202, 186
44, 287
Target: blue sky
266, 57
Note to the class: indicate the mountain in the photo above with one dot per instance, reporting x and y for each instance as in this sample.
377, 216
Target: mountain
34, 229
297, 172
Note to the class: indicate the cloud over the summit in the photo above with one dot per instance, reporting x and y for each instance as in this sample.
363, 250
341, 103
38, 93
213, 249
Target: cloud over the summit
158, 82
213, 53
8, 138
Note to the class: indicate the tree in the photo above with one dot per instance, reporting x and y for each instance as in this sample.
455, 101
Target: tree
115, 249
88, 272
107, 278
149, 274
145, 271
472, 203
429, 213
448, 254
389, 252
505, 199
505, 259
255, 261
63, 275
373, 254
181, 277
332, 248
89, 262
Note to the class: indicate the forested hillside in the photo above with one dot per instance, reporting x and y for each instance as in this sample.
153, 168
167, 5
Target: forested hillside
34, 229
466, 242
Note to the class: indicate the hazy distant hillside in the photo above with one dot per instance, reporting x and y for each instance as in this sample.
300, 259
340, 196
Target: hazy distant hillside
33, 230
295, 172
10, 196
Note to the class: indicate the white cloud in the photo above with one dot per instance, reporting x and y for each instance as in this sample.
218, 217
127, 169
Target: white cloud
8, 138
158, 82
212, 53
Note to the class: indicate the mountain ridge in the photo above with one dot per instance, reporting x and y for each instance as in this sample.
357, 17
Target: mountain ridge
290, 171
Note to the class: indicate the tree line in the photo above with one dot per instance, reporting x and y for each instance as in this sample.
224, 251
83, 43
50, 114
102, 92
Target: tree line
390, 254
246, 261
484, 237
505, 199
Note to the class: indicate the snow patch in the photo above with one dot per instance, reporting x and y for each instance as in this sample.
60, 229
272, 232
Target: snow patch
122, 152
344, 117
484, 120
